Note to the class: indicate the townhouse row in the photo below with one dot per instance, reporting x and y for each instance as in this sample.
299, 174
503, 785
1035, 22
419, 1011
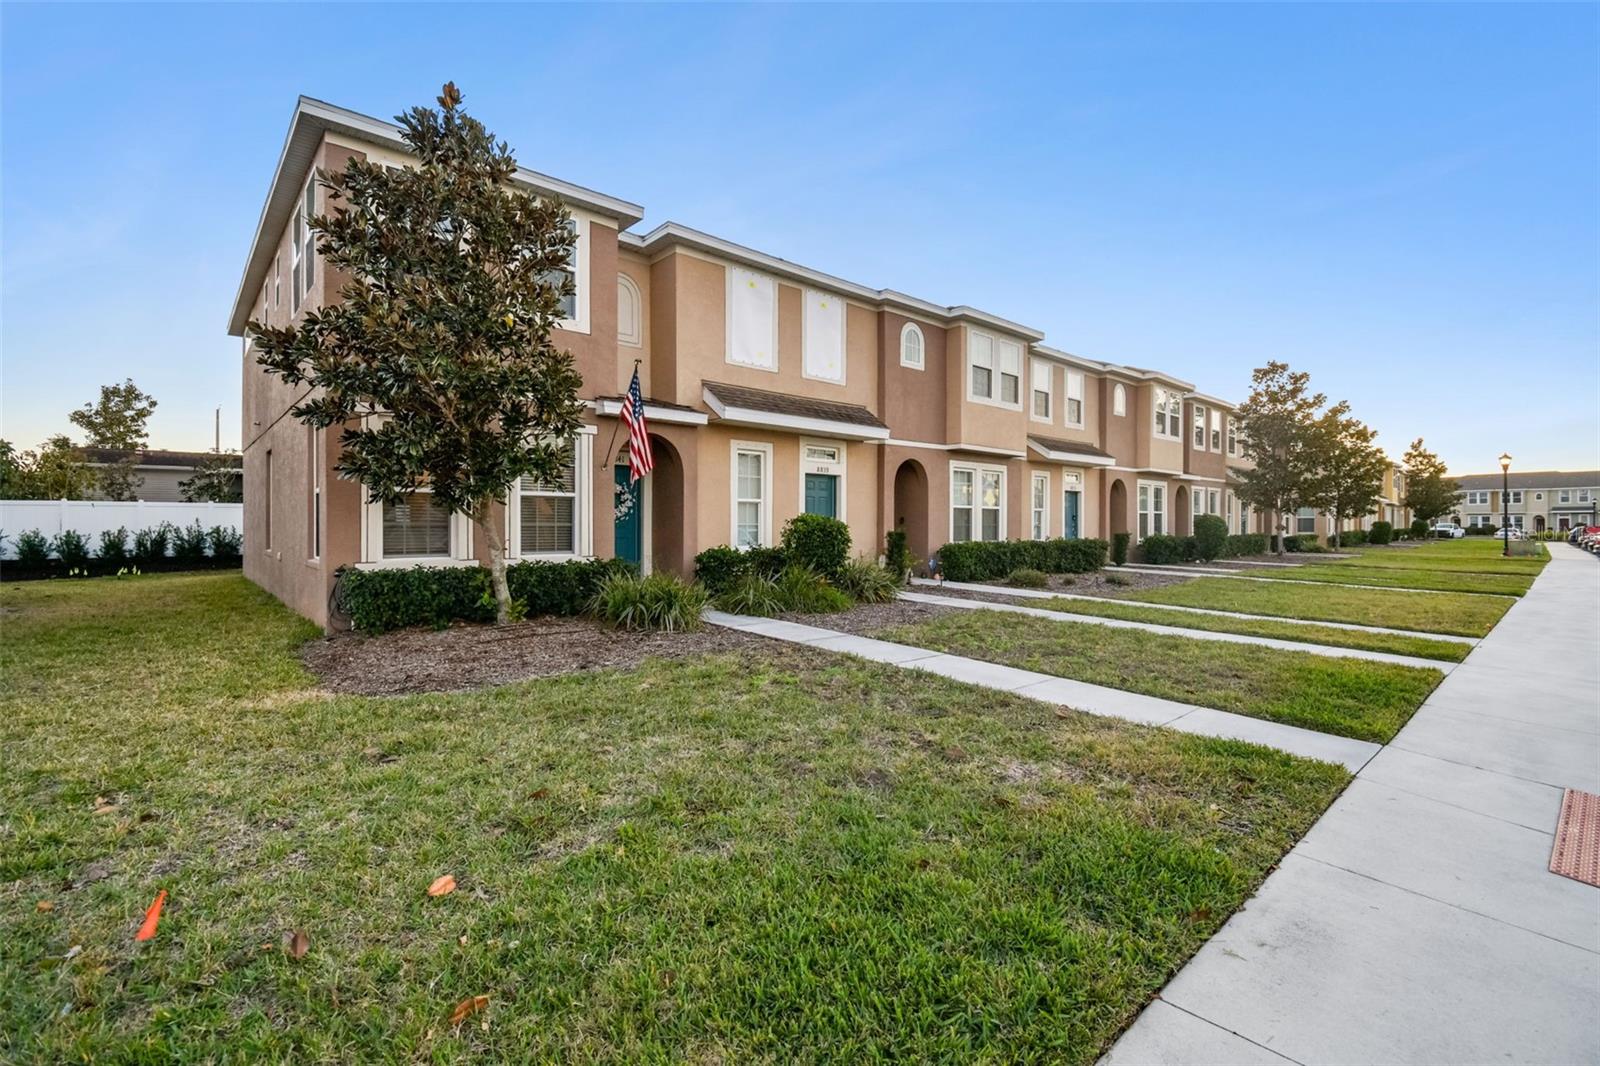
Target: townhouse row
771, 389
1535, 500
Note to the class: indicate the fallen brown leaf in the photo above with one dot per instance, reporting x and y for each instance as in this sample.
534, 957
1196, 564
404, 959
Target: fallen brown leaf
1062, 712
45, 905
442, 886
299, 944
467, 1008
103, 805
539, 793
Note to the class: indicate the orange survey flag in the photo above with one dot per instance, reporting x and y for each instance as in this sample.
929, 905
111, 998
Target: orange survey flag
151, 917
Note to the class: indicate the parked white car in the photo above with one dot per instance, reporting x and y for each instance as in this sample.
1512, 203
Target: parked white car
1446, 529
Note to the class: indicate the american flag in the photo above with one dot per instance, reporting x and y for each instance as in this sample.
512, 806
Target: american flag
641, 460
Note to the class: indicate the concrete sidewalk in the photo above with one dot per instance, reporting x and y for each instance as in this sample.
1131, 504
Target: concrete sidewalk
1417, 922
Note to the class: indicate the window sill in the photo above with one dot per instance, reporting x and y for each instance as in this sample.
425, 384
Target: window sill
408, 561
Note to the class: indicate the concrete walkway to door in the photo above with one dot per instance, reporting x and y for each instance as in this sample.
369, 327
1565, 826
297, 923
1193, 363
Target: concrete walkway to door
1418, 921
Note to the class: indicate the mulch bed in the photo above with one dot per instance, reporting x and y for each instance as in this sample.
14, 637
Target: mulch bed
475, 656
867, 619
1094, 584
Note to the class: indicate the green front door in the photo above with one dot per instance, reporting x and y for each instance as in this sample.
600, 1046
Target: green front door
822, 494
629, 519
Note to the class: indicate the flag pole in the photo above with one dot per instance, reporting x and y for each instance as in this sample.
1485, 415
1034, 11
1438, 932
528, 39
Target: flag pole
611, 449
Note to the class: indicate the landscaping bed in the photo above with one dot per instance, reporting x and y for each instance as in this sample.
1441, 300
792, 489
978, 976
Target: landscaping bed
1109, 582
469, 656
769, 854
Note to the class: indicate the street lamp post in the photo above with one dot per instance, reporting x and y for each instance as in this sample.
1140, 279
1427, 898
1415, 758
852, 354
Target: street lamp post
1505, 502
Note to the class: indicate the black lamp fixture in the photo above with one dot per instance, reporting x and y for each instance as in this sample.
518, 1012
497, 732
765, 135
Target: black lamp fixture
1505, 502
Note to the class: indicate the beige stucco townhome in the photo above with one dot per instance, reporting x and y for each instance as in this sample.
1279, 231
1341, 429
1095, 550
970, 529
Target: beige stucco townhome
772, 389
1535, 501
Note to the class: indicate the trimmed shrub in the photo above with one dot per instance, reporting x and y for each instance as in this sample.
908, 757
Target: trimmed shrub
72, 548
561, 588
189, 543
1352, 537
817, 542
720, 568
1210, 537
1419, 529
1162, 549
1028, 578
226, 542
1291, 543
972, 560
752, 594
1480, 531
1119, 547
1247, 544
1380, 533
377, 601
865, 581
114, 546
33, 549
660, 601
897, 554
150, 545
805, 591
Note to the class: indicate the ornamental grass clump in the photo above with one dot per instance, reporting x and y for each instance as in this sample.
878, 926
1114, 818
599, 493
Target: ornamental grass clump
663, 602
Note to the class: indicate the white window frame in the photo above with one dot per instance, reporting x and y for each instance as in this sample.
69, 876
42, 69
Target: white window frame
1583, 495
1233, 438
736, 275
764, 533
628, 292
579, 322
1165, 404
1119, 400
1039, 505
1038, 366
582, 506
1216, 431
316, 534
277, 282
809, 329
907, 332
978, 470
1197, 425
458, 552
303, 246
998, 349
1300, 520
1148, 514
1565, 496
835, 467
1074, 395
1516, 496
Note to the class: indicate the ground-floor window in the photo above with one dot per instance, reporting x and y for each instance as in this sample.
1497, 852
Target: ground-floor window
1152, 509
752, 495
1039, 503
1305, 520
548, 520
977, 503
415, 527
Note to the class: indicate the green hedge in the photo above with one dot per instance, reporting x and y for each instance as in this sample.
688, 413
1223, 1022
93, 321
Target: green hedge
380, 600
973, 560
720, 568
1246, 544
1380, 533
1160, 549
817, 542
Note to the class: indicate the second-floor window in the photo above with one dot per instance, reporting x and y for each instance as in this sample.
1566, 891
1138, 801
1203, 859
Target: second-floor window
1074, 399
1169, 414
1042, 373
303, 250
1565, 497
995, 368
1476, 496
1216, 431
1199, 427
1516, 495
1233, 438
752, 319
1119, 400
822, 337
912, 346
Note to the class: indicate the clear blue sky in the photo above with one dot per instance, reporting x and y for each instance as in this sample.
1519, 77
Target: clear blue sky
1400, 199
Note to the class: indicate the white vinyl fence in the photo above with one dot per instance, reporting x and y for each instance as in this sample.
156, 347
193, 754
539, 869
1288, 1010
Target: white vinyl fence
92, 517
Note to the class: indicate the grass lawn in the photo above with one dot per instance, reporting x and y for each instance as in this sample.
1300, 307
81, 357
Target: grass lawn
729, 858
1458, 614
1405, 578
1261, 627
1469, 555
1350, 697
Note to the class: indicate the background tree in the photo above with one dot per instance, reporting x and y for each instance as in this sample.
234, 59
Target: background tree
216, 480
456, 280
1350, 467
1276, 423
118, 420
1430, 491
55, 472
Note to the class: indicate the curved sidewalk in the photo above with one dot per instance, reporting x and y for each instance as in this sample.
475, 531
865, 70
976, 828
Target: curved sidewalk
1418, 922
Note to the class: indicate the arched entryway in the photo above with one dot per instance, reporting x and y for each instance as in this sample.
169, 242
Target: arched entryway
1182, 516
1117, 507
911, 506
664, 492
1538, 523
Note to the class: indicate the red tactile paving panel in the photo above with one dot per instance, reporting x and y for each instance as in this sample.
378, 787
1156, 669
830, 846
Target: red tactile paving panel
1577, 851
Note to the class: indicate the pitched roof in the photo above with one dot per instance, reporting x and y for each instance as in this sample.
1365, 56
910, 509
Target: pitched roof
781, 403
1535, 479
153, 456
1052, 444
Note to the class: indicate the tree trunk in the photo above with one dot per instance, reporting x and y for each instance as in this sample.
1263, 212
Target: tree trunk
1283, 532
497, 563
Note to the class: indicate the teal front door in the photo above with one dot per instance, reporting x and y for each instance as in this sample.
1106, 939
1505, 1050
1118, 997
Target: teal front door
822, 494
1069, 516
629, 517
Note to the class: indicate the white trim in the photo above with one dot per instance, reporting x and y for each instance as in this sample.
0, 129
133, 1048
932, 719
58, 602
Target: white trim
975, 449
809, 314
1138, 512
1160, 400
1034, 366
978, 470
997, 344
922, 346
764, 530
628, 289
583, 478
1119, 399
744, 416
654, 413
1071, 457
1041, 511
1074, 394
730, 274
579, 322
835, 468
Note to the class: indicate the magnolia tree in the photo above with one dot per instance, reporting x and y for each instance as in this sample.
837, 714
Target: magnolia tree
1430, 492
437, 358
1348, 476
1276, 424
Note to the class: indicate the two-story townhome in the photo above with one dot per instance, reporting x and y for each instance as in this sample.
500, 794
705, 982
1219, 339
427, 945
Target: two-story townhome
1535, 501
772, 389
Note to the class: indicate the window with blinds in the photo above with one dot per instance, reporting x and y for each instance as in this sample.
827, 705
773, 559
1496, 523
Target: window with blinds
415, 526
548, 525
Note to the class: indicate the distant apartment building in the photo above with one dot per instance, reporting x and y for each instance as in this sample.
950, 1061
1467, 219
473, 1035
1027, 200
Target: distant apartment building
771, 389
1535, 501
158, 473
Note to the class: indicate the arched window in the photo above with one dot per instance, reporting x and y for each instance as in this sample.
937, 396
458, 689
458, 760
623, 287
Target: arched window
630, 313
911, 346
1119, 401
